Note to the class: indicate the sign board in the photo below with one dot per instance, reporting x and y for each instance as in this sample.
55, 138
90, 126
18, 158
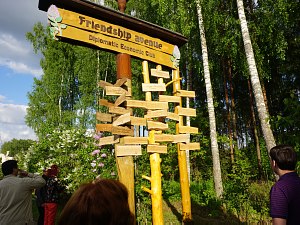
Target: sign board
98, 33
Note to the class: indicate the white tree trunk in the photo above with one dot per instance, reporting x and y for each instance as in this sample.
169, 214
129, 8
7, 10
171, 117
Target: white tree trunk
258, 95
211, 111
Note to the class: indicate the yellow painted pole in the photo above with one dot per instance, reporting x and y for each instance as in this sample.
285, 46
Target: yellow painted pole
184, 180
155, 160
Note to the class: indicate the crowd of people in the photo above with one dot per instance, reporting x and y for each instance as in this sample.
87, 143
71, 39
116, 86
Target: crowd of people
105, 202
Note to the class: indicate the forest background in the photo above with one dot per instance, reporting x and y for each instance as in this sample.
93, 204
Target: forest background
64, 101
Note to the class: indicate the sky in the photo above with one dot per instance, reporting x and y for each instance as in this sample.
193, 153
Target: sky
19, 65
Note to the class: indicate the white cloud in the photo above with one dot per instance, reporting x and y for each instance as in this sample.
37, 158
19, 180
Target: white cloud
12, 123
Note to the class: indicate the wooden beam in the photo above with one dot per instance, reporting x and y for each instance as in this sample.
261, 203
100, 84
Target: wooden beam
104, 117
189, 146
120, 99
157, 149
160, 73
124, 150
109, 140
152, 125
153, 87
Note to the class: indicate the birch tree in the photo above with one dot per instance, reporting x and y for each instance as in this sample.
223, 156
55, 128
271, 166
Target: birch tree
210, 106
256, 86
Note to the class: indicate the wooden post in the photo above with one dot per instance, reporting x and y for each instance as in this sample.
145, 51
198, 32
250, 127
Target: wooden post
125, 164
155, 160
184, 180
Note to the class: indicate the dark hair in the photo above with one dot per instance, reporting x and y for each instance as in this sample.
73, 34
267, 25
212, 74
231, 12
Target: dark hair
284, 156
101, 202
8, 167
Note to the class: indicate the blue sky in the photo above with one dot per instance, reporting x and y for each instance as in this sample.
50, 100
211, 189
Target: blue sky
18, 65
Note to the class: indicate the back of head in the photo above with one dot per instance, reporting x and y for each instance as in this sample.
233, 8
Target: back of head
102, 202
284, 156
8, 167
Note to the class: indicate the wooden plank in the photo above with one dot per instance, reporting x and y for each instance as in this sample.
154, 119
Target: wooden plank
156, 113
108, 140
111, 90
153, 87
124, 150
138, 121
179, 138
173, 116
153, 125
157, 149
146, 104
104, 127
169, 98
184, 93
103, 84
124, 131
186, 111
120, 82
125, 118
160, 73
105, 102
119, 110
164, 138
104, 117
120, 99
188, 129
135, 140
189, 146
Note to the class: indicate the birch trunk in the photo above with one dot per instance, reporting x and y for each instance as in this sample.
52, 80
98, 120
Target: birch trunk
258, 95
211, 111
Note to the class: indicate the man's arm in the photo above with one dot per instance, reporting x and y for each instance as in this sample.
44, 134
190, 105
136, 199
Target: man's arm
279, 221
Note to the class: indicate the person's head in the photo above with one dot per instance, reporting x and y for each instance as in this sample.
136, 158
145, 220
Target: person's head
10, 167
54, 170
102, 202
284, 156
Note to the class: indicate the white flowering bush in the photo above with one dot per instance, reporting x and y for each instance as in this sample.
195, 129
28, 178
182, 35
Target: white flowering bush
77, 154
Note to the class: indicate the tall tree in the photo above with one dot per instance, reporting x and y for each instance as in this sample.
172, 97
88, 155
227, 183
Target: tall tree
211, 111
255, 82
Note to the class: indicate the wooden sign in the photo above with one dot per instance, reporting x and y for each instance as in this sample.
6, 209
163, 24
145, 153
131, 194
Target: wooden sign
173, 116
156, 113
108, 140
149, 105
125, 118
189, 94
187, 129
135, 140
160, 73
186, 111
103, 84
179, 138
153, 87
189, 146
120, 99
104, 127
112, 90
122, 131
169, 98
104, 117
152, 125
119, 110
138, 121
157, 149
124, 150
106, 103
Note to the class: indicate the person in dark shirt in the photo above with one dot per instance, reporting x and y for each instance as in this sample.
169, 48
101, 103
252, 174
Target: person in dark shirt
40, 198
285, 193
53, 189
